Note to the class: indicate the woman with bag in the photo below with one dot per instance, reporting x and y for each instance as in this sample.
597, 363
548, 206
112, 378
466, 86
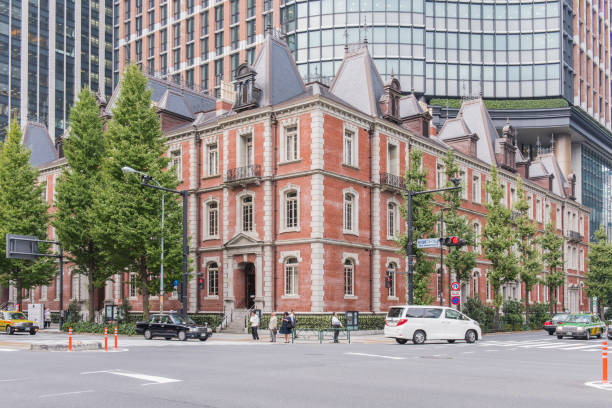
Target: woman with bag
286, 326
336, 324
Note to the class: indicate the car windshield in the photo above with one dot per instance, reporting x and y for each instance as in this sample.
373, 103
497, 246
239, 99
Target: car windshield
578, 319
395, 312
560, 316
16, 316
178, 319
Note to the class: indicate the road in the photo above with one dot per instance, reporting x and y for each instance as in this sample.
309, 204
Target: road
513, 370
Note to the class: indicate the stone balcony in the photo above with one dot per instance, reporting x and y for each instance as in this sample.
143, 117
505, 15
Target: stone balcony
392, 181
243, 176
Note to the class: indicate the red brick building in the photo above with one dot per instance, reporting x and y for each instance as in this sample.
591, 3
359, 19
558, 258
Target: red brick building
296, 189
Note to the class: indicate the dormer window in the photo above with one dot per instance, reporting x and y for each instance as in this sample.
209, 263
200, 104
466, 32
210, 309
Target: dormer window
247, 94
389, 102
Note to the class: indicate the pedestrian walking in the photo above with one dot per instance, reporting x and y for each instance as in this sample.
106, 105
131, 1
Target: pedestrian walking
286, 326
254, 325
272, 325
293, 321
336, 324
47, 318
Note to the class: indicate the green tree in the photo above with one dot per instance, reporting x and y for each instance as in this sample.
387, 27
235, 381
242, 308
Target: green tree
529, 263
23, 211
552, 255
498, 240
130, 214
458, 260
599, 276
423, 221
76, 218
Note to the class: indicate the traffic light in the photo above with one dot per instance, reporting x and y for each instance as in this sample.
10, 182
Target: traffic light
389, 280
201, 280
453, 241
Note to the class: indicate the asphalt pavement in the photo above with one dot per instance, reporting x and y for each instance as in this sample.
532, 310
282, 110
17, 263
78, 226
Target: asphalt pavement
510, 370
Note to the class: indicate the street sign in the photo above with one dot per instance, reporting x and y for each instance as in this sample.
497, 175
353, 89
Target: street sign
175, 283
455, 286
21, 246
455, 300
428, 243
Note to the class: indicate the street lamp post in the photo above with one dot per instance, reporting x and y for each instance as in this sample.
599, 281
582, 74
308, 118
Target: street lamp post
409, 195
184, 193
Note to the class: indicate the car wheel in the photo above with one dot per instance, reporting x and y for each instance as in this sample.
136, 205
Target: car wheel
168, 337
182, 336
599, 336
203, 338
451, 341
402, 341
9, 330
550, 333
148, 335
559, 336
588, 335
470, 336
418, 337
32, 332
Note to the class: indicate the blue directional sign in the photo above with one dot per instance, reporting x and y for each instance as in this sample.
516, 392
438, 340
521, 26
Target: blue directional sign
428, 243
175, 283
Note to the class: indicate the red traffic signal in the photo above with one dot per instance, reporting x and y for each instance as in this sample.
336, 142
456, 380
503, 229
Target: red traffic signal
201, 280
453, 241
389, 280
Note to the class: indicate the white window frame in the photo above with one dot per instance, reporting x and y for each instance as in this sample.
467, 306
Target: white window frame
212, 271
530, 204
43, 292
285, 144
291, 277
108, 290
393, 234
392, 265
476, 179
354, 230
477, 228
349, 271
211, 166
558, 219
350, 157
57, 287
513, 196
283, 212
132, 286
476, 283
55, 177
581, 225
206, 221
538, 209
546, 211
45, 193
239, 214
176, 165
393, 167
581, 260
440, 174
354, 258
488, 287
463, 175
75, 289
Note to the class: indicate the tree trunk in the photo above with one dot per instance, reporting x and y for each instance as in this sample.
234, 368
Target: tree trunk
90, 290
550, 292
527, 305
144, 288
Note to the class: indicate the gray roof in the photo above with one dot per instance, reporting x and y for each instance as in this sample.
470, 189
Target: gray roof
277, 75
552, 166
537, 169
358, 82
37, 138
172, 98
477, 118
409, 106
454, 128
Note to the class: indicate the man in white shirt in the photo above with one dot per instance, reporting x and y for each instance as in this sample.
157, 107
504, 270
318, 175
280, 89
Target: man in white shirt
336, 324
254, 325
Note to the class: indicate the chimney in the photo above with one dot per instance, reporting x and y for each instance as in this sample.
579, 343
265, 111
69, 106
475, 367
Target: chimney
224, 104
570, 190
505, 149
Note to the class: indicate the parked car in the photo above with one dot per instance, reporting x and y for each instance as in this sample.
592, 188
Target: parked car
610, 332
173, 325
420, 323
13, 321
551, 325
581, 325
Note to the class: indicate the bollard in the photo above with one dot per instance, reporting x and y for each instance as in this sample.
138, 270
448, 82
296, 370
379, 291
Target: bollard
115, 337
70, 339
106, 339
604, 362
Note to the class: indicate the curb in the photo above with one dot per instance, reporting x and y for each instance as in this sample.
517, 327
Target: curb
76, 346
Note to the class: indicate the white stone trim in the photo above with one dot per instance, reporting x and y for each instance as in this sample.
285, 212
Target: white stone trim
355, 215
350, 255
206, 142
205, 218
317, 260
289, 254
282, 199
396, 216
391, 141
284, 124
238, 225
240, 133
346, 126
316, 140
352, 297
317, 207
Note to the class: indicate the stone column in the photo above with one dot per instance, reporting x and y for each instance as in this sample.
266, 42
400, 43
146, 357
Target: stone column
317, 198
563, 153
259, 299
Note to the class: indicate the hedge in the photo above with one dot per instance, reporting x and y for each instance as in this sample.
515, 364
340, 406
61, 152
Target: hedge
549, 103
367, 321
87, 327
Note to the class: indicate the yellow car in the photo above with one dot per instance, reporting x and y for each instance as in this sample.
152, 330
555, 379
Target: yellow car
13, 321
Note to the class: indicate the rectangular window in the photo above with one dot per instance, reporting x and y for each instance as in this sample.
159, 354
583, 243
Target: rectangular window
151, 19
235, 37
177, 9
464, 183
164, 14
392, 220
476, 192
189, 78
235, 9
538, 210
139, 26
204, 18
151, 40
212, 210
133, 285
251, 32
247, 214
176, 163
163, 39
204, 77
558, 218
219, 44
291, 143
212, 168
177, 35
213, 280
218, 71
190, 26
440, 175
291, 277
392, 159
250, 8
219, 17
177, 59
349, 148
348, 278
291, 203
349, 212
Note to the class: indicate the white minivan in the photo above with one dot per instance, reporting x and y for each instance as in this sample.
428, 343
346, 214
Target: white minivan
420, 323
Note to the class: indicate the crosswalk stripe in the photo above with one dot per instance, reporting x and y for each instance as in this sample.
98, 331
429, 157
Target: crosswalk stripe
583, 347
538, 345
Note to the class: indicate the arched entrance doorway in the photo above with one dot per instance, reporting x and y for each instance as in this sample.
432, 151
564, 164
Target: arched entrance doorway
246, 277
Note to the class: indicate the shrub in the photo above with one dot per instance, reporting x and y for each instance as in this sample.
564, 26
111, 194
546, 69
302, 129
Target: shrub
367, 321
124, 311
538, 314
483, 314
513, 314
87, 327
74, 312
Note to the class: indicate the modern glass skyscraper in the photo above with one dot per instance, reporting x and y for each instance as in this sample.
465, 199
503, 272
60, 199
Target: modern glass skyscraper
49, 50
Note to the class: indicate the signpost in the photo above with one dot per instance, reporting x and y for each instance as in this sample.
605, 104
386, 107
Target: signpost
455, 293
428, 243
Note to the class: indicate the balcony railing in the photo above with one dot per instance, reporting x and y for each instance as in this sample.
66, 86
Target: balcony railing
243, 175
392, 180
574, 236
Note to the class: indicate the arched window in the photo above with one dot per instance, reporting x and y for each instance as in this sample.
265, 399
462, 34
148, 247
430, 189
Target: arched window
392, 267
477, 235
475, 284
212, 219
349, 275
247, 213
291, 276
392, 220
349, 209
75, 292
291, 209
213, 279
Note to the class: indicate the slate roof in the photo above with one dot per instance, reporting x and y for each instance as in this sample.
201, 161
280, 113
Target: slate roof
358, 83
551, 164
476, 118
37, 138
453, 128
409, 106
172, 98
277, 75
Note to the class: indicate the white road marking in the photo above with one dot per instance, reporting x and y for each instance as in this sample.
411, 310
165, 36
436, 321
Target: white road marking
6, 349
375, 355
559, 346
599, 385
583, 347
468, 352
64, 393
491, 350
538, 345
12, 379
151, 378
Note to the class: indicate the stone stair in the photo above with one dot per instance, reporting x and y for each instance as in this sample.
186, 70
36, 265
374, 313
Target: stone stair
237, 325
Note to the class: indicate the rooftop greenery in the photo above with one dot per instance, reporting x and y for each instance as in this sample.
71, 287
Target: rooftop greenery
507, 103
